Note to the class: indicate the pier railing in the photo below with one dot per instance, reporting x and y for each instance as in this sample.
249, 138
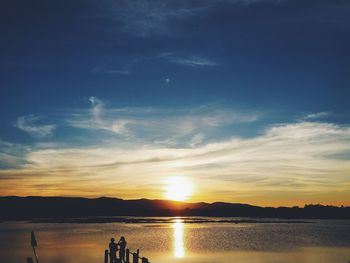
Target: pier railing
134, 256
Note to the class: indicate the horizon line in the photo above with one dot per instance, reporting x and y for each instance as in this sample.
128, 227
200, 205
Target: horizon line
175, 201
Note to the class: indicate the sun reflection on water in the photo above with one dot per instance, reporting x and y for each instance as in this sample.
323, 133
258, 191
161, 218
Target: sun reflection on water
179, 248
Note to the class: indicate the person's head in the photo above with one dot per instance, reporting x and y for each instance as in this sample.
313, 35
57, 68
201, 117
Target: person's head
122, 238
29, 260
112, 239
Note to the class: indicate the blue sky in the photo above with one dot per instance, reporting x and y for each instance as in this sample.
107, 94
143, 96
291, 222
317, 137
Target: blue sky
177, 77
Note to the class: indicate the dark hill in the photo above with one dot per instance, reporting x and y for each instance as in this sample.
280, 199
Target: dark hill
20, 208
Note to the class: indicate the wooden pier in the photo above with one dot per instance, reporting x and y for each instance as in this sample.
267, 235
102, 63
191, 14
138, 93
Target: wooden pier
134, 256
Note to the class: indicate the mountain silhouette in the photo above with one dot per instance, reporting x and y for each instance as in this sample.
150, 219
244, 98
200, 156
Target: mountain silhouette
36, 207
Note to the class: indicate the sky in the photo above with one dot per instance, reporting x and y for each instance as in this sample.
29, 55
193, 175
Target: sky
247, 99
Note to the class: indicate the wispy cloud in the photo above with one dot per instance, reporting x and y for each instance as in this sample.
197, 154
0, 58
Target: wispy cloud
12, 155
318, 115
28, 123
197, 139
144, 18
193, 61
291, 157
177, 125
147, 144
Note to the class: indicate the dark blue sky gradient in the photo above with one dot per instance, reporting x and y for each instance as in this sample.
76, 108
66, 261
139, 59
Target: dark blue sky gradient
289, 57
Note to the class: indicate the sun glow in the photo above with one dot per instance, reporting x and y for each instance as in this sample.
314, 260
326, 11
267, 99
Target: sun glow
178, 188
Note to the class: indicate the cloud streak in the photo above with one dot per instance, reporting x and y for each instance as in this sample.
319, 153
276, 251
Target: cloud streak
291, 158
29, 124
12, 155
307, 159
318, 115
192, 61
146, 18
159, 125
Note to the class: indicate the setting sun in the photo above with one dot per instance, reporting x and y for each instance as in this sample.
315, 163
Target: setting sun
178, 188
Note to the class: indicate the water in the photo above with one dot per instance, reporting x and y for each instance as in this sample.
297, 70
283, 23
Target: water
174, 240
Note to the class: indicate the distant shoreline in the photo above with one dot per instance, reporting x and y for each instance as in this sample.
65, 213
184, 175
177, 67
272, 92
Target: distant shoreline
104, 209
167, 220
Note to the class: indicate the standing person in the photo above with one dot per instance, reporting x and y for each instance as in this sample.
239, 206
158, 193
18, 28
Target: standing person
122, 247
113, 247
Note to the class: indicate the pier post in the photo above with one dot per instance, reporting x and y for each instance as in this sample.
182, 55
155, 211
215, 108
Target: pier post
106, 256
127, 256
135, 258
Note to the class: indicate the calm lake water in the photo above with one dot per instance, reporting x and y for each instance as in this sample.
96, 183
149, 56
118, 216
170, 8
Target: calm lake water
177, 241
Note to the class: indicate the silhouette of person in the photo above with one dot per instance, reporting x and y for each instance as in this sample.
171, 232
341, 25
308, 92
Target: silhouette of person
113, 247
122, 247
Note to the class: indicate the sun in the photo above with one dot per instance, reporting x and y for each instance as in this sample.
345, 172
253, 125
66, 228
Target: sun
178, 188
